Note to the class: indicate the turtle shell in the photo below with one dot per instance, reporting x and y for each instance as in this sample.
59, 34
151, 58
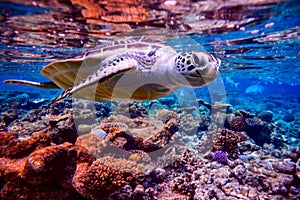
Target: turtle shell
66, 73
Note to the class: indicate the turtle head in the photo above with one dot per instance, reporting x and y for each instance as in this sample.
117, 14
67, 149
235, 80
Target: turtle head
199, 68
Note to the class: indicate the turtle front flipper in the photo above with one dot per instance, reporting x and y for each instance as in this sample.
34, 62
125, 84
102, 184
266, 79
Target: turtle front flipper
45, 85
116, 67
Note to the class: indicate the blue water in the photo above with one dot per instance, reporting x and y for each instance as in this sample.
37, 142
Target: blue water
270, 43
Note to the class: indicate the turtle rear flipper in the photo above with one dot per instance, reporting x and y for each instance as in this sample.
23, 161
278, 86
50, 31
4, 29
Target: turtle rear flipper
45, 85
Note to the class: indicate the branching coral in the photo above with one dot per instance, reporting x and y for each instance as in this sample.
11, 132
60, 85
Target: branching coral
184, 185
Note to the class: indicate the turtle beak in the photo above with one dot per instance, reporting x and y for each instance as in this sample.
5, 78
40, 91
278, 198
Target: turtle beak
212, 68
217, 62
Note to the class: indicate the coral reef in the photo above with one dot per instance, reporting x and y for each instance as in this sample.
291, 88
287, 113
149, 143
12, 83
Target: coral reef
34, 169
13, 148
266, 116
137, 110
238, 123
104, 176
130, 156
259, 130
228, 141
54, 120
189, 123
131, 110
93, 143
68, 171
165, 115
8, 116
161, 138
125, 133
257, 127
200, 178
220, 157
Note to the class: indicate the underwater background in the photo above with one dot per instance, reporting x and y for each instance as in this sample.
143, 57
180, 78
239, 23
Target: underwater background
237, 138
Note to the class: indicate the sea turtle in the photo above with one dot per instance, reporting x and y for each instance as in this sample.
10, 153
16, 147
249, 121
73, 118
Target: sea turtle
133, 69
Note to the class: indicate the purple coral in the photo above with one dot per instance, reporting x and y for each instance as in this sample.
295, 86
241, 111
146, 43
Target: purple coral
220, 157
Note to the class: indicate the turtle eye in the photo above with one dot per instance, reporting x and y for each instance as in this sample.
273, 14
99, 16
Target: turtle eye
197, 61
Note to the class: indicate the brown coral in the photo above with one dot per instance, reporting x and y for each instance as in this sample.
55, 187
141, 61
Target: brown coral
227, 141
7, 117
104, 175
129, 134
92, 142
39, 171
14, 148
161, 138
131, 110
238, 123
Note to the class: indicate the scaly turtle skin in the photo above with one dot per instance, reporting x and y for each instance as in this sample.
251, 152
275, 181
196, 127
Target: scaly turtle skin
133, 69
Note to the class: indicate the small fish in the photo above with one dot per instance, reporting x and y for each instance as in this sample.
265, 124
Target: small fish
229, 81
99, 132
